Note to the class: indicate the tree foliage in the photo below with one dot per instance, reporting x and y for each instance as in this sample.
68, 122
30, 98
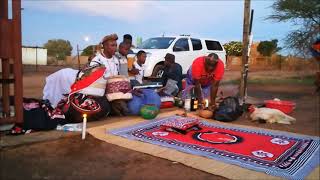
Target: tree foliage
267, 48
233, 48
303, 14
88, 51
58, 48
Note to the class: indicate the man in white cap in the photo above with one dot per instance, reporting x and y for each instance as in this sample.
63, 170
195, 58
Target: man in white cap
106, 56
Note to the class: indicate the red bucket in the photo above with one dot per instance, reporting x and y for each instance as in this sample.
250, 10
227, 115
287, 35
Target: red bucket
284, 106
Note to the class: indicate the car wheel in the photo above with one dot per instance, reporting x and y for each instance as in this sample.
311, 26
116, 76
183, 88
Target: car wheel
158, 71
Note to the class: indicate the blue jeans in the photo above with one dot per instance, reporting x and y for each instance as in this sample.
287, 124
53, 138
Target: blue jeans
190, 84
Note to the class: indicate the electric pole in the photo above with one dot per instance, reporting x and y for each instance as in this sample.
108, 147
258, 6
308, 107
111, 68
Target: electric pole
245, 50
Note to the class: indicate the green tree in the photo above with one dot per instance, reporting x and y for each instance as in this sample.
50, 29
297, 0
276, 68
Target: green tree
88, 51
267, 48
233, 48
58, 48
303, 14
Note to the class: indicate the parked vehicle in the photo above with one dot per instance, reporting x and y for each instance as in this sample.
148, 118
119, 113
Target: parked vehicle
185, 49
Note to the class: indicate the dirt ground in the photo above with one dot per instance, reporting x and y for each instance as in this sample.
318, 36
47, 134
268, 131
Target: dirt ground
72, 158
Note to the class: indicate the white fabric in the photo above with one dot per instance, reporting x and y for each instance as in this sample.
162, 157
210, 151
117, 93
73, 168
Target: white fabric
57, 84
171, 87
139, 77
110, 63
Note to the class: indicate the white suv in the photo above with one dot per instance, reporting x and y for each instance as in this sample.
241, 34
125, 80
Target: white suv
185, 49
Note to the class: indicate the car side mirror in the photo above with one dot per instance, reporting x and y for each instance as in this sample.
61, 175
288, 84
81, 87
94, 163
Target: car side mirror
178, 48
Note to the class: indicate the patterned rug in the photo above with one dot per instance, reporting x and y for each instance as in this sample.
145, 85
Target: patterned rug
274, 153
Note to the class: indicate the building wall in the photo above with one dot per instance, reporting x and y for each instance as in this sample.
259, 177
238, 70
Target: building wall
33, 56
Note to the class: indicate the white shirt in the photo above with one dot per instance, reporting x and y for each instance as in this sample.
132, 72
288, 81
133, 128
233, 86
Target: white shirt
112, 68
141, 69
122, 64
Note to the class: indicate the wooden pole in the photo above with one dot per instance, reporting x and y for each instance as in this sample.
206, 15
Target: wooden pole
5, 67
17, 55
78, 56
245, 42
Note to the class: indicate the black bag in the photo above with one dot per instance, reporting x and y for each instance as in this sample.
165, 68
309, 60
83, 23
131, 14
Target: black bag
37, 117
229, 110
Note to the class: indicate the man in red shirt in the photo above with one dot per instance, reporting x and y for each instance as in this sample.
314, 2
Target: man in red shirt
205, 74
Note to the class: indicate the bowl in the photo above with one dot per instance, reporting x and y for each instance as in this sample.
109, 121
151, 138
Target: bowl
284, 106
204, 113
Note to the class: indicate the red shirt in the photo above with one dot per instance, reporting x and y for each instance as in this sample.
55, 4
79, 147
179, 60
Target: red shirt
199, 72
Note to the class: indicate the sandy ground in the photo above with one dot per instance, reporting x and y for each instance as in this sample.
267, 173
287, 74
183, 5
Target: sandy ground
72, 158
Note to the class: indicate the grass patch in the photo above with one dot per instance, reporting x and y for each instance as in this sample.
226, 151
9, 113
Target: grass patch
308, 80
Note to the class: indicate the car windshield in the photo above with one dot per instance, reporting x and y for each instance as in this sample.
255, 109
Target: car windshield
156, 43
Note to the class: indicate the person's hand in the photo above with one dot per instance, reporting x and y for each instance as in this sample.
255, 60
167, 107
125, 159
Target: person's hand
212, 107
134, 71
161, 92
137, 92
201, 105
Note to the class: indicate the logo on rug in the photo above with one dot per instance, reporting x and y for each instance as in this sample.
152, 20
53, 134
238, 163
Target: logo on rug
217, 137
159, 133
262, 154
279, 141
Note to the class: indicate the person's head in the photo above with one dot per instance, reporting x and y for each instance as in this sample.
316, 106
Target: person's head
169, 59
109, 44
127, 38
211, 61
123, 49
141, 57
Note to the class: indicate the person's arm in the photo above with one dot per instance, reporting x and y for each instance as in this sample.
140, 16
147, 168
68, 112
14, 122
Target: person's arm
213, 93
198, 90
133, 70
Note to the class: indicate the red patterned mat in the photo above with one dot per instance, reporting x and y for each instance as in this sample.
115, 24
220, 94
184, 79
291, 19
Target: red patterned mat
274, 153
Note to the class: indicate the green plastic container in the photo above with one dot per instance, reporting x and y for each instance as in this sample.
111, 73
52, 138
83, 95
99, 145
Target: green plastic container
149, 111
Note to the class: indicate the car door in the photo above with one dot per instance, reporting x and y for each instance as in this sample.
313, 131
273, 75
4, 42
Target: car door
182, 52
197, 49
213, 46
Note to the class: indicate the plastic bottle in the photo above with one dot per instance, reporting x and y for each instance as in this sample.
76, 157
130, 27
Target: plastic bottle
187, 102
70, 127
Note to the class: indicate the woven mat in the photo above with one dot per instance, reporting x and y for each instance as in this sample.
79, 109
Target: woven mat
198, 162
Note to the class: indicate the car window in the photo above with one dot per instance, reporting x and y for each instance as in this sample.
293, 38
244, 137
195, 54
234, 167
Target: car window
156, 43
196, 44
213, 45
181, 45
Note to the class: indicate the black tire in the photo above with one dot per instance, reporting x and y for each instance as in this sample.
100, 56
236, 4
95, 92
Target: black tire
157, 71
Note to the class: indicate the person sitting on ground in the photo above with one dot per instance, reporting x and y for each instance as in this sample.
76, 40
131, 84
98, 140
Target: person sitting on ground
121, 56
172, 75
127, 39
205, 74
138, 67
106, 56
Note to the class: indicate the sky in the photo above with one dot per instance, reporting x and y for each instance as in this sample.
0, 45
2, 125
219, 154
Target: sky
87, 22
